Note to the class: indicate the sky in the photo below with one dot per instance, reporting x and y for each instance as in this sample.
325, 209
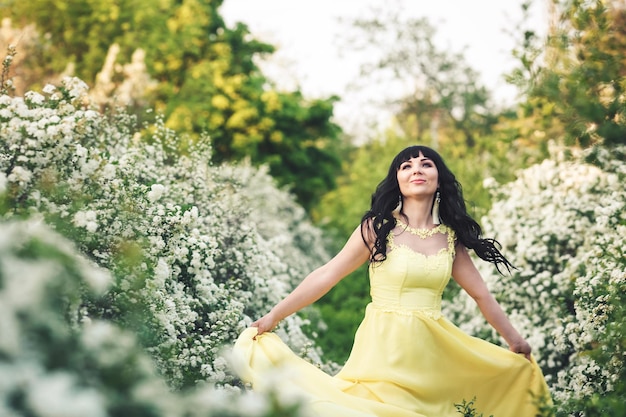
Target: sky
306, 34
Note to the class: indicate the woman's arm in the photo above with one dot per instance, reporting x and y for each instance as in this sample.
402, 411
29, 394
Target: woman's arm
465, 273
319, 282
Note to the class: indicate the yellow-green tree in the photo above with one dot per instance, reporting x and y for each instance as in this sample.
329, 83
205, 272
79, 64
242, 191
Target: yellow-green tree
207, 80
575, 80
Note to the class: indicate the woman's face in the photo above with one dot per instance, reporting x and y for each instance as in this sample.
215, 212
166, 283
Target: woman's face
418, 177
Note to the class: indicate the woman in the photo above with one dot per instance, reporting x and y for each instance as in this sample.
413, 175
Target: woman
407, 360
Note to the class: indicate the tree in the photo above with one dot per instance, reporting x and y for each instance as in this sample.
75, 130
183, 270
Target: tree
207, 80
578, 77
434, 88
438, 100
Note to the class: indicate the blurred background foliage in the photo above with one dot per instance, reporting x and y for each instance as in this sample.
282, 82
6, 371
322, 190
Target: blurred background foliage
179, 58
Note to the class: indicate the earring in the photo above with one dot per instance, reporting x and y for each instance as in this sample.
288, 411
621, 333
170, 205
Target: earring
435, 212
399, 206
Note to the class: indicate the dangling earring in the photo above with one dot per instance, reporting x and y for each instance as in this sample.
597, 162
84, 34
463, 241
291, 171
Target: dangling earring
435, 212
399, 206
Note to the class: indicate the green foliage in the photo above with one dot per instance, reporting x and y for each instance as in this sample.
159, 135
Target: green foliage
342, 310
467, 409
207, 81
580, 83
301, 148
79, 32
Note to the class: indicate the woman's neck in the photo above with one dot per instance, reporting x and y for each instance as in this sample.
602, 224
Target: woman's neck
417, 214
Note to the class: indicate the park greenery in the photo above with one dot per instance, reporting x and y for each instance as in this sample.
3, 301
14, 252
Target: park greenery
158, 193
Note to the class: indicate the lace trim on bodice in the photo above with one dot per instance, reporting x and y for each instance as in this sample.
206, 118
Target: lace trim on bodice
424, 234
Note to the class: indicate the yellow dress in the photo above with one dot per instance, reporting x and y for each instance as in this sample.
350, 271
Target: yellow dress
407, 359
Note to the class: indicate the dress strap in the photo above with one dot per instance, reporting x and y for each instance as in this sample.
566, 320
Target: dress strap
451, 240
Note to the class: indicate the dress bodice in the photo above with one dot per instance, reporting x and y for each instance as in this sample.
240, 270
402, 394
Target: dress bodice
410, 280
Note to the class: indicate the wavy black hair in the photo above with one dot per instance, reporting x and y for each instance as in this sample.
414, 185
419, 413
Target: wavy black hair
380, 220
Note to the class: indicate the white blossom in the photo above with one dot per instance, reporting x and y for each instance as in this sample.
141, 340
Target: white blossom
20, 175
34, 98
156, 192
86, 219
49, 89
108, 172
76, 87
58, 395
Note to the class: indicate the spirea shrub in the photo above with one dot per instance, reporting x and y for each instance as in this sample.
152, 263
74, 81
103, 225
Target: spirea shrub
56, 361
562, 224
196, 251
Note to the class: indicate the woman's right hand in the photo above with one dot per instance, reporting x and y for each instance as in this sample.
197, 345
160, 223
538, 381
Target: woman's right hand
265, 323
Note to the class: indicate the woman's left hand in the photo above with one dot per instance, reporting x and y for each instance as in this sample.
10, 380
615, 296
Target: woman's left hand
521, 346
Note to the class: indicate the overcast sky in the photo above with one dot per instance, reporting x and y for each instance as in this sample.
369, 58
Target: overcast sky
306, 33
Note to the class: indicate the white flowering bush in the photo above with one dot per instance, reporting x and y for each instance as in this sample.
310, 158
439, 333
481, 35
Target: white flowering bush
56, 361
562, 224
196, 251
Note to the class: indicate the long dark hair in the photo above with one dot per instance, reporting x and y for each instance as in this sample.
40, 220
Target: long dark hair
452, 210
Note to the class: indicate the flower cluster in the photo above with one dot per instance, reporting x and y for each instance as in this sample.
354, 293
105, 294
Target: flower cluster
196, 251
562, 224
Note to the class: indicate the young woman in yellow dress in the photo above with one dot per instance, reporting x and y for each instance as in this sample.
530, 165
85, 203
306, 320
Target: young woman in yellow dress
407, 360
